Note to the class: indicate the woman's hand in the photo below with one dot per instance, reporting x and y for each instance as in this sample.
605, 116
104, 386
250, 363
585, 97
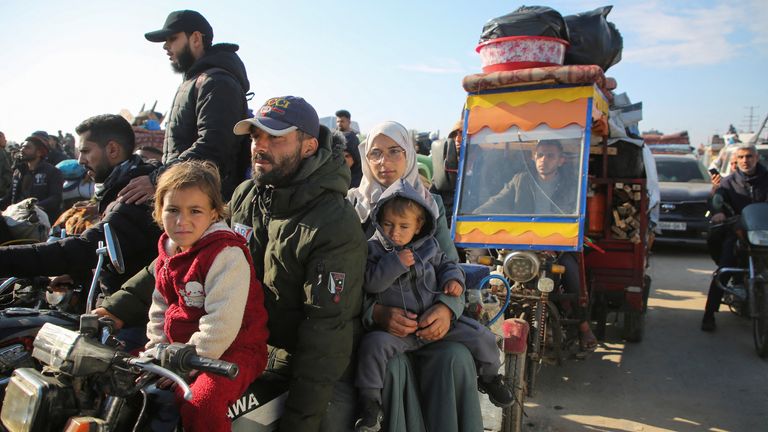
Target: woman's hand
435, 322
397, 322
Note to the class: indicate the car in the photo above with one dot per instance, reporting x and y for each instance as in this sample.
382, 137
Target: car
685, 188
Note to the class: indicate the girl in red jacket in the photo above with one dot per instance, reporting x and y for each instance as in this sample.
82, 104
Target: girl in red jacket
206, 292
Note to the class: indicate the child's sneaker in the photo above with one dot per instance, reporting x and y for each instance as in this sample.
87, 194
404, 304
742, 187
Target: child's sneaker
499, 394
370, 417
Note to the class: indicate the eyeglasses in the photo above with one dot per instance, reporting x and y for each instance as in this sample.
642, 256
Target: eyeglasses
393, 155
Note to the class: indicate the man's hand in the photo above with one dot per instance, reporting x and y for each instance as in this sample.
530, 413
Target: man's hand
61, 282
718, 218
138, 191
406, 257
105, 313
397, 322
435, 322
715, 179
453, 288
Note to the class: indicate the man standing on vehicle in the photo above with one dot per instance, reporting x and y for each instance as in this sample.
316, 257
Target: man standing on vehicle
106, 151
208, 103
310, 254
352, 152
747, 185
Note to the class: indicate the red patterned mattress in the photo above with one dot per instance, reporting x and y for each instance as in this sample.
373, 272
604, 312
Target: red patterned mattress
571, 74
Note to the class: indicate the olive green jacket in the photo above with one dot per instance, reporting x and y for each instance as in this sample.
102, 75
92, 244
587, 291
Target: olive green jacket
310, 253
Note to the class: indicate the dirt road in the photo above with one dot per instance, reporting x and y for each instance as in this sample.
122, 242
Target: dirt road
677, 379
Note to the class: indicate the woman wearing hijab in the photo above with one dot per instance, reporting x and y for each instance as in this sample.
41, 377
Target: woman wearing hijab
444, 396
389, 155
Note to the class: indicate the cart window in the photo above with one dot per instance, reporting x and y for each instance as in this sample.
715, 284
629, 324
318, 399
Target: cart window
535, 177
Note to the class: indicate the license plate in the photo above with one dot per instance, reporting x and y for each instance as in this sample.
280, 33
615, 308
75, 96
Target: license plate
672, 226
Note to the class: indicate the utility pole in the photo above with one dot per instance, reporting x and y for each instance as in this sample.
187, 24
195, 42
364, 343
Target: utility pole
751, 118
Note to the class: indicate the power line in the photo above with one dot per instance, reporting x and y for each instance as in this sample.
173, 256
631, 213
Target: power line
751, 119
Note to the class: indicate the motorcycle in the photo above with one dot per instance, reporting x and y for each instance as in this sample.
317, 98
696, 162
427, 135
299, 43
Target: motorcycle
526, 174
748, 297
88, 384
19, 325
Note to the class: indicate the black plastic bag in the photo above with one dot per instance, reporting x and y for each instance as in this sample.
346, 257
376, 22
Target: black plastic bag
526, 21
594, 40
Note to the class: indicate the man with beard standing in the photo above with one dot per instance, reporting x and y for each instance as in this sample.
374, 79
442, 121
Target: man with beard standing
208, 103
33, 177
106, 147
310, 253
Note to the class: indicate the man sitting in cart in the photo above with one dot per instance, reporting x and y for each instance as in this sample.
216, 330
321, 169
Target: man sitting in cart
550, 191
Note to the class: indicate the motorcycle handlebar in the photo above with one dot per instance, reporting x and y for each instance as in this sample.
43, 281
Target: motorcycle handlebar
218, 367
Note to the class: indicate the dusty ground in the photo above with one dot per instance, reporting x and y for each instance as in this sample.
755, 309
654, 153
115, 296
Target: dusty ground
677, 379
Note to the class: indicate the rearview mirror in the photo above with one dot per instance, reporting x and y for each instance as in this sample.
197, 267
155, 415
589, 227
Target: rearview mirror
113, 249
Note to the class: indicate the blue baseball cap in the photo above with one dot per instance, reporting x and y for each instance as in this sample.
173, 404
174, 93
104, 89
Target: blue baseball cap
282, 115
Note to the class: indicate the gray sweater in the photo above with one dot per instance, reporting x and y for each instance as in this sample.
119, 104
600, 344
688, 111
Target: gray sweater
419, 287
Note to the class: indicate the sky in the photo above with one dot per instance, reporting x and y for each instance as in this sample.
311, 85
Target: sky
695, 65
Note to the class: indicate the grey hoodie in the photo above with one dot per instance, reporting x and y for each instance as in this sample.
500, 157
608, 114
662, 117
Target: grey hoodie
420, 286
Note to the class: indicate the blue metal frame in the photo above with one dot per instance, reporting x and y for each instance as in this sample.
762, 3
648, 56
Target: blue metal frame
587, 137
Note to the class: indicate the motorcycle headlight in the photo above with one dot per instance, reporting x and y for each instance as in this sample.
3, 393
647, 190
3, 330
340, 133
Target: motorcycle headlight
758, 237
70, 352
34, 401
521, 266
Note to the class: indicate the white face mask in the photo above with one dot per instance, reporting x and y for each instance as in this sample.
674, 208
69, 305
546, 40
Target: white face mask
55, 298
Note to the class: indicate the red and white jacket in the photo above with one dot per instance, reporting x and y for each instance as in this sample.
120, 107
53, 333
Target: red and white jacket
208, 296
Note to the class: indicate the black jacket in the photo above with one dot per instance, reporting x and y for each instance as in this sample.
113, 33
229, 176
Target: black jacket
44, 183
205, 109
133, 225
740, 190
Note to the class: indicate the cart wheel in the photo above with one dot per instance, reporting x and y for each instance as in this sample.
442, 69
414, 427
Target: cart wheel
760, 321
633, 326
514, 377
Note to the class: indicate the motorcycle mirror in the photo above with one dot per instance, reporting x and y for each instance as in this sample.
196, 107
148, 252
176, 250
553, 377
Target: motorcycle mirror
717, 202
113, 249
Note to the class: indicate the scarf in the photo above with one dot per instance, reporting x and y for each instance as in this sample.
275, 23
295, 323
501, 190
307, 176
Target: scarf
365, 196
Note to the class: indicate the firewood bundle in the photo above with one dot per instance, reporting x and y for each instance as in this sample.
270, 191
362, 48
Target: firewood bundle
625, 224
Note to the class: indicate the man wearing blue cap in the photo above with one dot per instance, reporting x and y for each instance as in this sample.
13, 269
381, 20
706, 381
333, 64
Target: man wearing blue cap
310, 252
208, 103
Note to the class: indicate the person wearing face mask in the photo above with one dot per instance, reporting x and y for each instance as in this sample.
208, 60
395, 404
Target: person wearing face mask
448, 393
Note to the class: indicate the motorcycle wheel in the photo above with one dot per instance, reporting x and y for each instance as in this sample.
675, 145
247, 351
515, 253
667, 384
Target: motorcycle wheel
633, 326
515, 378
760, 321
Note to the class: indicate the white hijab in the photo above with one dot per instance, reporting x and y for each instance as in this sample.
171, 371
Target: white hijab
365, 196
